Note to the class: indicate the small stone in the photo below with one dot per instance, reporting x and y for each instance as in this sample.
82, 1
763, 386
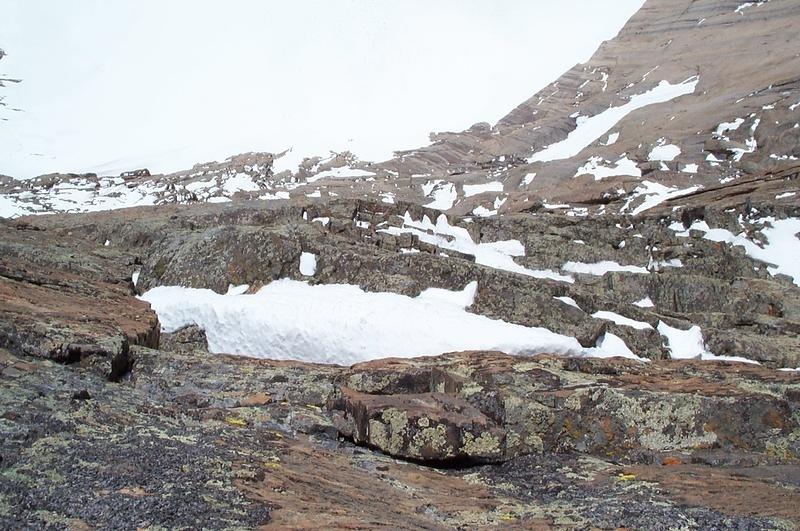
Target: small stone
83, 394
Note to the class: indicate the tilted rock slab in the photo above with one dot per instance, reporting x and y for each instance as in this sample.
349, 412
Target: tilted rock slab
423, 426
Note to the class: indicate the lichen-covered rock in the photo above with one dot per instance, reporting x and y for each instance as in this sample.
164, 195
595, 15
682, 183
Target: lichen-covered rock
431, 427
602, 407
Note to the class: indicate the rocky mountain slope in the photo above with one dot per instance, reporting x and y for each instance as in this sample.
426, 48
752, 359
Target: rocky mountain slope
633, 228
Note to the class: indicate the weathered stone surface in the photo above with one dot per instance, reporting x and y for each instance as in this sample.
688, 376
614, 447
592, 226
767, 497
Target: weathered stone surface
431, 427
247, 442
66, 300
602, 407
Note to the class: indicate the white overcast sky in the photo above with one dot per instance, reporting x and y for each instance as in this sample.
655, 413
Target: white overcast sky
110, 85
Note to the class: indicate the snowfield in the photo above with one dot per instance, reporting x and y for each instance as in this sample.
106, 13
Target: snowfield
342, 324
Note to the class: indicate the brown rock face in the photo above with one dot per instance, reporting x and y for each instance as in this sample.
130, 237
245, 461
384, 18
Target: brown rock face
432, 427
63, 301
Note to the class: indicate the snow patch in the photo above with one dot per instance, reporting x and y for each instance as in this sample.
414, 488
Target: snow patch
308, 264
781, 250
689, 344
444, 194
343, 324
601, 268
499, 255
664, 152
345, 172
596, 167
475, 189
590, 129
622, 320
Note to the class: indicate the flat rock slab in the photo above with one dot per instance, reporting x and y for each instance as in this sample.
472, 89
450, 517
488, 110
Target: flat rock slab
425, 426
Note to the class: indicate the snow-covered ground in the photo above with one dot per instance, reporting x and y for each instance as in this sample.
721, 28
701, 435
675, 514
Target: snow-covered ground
342, 324
115, 85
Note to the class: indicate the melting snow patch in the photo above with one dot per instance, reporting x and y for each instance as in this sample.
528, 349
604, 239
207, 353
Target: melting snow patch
612, 139
689, 344
601, 268
590, 129
690, 168
655, 194
345, 172
746, 5
568, 300
443, 193
781, 250
596, 168
615, 344
274, 197
475, 189
308, 264
644, 303
241, 182
724, 127
342, 324
135, 277
622, 320
785, 195
499, 255
664, 152
528, 179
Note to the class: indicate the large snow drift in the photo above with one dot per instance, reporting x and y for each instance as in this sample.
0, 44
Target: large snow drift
342, 324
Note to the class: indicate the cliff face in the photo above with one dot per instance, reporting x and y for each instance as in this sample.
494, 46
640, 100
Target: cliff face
745, 60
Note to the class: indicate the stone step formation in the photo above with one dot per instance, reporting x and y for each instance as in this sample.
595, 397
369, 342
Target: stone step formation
645, 206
